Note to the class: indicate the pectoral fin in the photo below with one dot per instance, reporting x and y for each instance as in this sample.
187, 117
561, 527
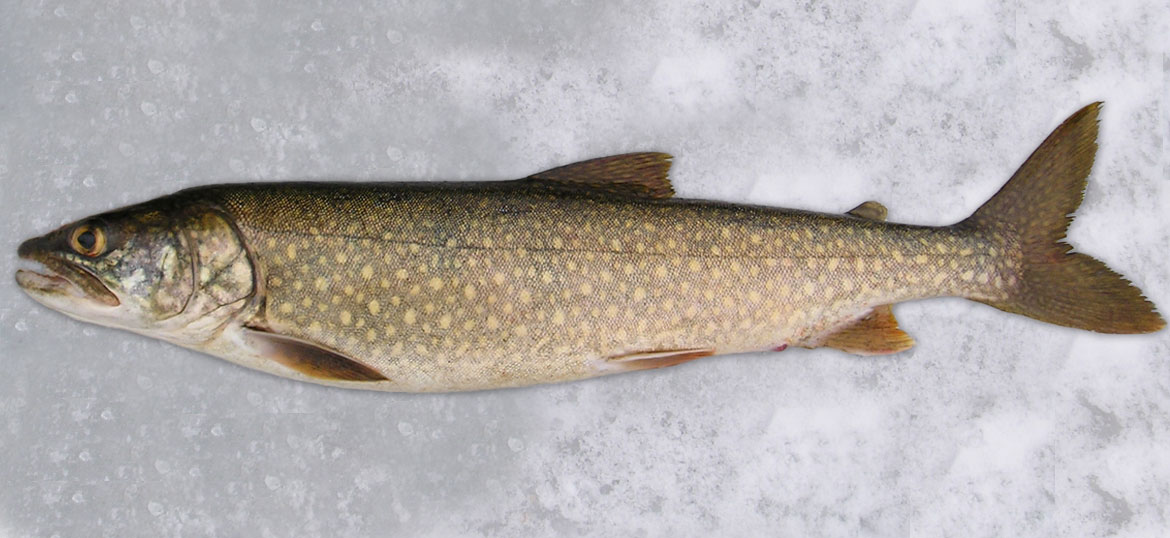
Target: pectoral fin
658, 359
875, 334
308, 358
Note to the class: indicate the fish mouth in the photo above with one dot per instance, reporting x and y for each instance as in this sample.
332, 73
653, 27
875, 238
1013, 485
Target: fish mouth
56, 277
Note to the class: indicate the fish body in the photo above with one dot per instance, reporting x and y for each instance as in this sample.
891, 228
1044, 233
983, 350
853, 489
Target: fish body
579, 271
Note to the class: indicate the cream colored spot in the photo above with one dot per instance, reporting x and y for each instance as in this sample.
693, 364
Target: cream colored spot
521, 330
346, 317
320, 283
315, 326
374, 307
660, 271
391, 330
694, 265
445, 321
546, 277
291, 251
469, 292
586, 288
341, 257
808, 288
410, 316
400, 274
498, 278
558, 317
525, 296
639, 293
468, 325
348, 289
921, 259
833, 263
493, 323
436, 283
286, 308
367, 272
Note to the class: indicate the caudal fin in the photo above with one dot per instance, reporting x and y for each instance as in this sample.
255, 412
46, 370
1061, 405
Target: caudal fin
1030, 216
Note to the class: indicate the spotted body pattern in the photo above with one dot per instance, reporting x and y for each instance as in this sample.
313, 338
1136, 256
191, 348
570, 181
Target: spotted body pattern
593, 268
507, 285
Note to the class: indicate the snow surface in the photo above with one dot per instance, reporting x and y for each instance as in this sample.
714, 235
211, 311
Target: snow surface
994, 425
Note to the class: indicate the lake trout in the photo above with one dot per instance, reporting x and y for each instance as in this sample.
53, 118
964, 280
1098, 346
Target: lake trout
588, 269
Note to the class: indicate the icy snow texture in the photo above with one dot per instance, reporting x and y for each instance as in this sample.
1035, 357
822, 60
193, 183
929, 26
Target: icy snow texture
995, 425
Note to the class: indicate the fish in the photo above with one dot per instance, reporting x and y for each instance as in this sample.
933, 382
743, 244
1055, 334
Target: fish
584, 270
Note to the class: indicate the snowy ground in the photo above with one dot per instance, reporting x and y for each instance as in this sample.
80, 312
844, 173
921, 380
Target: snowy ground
994, 425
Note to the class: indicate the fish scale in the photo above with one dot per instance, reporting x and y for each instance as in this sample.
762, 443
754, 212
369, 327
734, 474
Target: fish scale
570, 279
588, 269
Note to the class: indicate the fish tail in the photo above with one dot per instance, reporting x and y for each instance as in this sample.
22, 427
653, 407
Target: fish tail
1029, 218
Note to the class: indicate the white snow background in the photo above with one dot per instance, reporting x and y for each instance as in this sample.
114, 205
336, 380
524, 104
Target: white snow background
994, 425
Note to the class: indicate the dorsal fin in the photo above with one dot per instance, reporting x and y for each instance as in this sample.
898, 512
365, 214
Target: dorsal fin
639, 175
875, 334
869, 210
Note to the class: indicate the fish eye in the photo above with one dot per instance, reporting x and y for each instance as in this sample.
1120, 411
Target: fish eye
88, 240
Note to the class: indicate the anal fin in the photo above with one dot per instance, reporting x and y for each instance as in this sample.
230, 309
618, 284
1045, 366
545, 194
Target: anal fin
308, 358
658, 359
876, 333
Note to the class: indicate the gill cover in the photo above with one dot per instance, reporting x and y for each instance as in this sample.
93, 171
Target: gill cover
162, 268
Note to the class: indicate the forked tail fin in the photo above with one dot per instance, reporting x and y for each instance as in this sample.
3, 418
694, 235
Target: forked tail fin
1030, 215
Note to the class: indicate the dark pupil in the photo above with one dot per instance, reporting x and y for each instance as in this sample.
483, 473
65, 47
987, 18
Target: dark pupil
86, 240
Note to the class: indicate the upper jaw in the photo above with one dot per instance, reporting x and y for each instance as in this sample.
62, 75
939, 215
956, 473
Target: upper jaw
61, 278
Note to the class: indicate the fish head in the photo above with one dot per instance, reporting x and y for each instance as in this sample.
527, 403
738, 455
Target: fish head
156, 268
